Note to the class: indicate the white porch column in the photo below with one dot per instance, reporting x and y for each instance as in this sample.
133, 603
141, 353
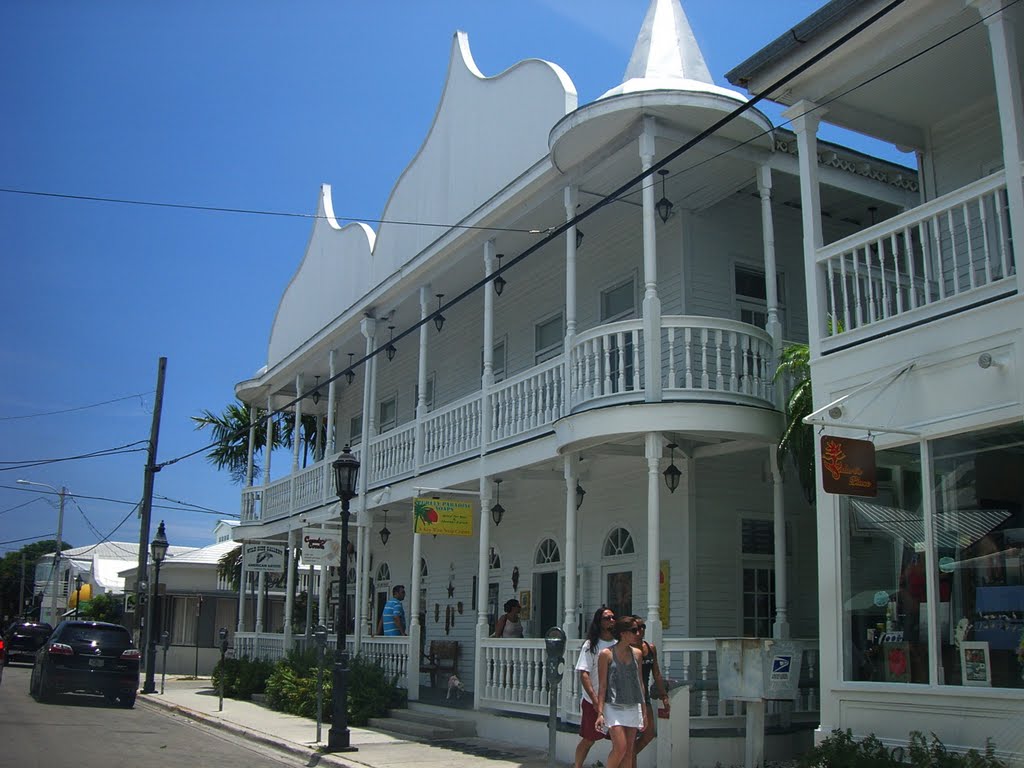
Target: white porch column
483, 573
362, 546
297, 430
310, 584
242, 583
569, 617
331, 405
289, 595
780, 629
250, 466
653, 451
415, 628
804, 117
322, 590
369, 328
487, 378
571, 202
270, 440
261, 584
421, 379
1006, 68
651, 304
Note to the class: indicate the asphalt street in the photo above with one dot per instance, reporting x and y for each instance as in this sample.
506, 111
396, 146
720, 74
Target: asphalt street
80, 731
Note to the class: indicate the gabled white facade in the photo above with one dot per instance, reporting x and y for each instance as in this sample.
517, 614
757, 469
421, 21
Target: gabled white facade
629, 341
916, 334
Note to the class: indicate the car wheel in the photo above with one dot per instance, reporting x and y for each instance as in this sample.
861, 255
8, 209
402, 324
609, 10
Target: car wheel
45, 687
127, 700
33, 689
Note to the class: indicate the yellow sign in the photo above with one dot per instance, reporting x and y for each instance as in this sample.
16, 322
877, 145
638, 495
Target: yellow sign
443, 517
663, 579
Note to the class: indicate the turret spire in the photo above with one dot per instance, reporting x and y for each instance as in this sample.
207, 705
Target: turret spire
666, 47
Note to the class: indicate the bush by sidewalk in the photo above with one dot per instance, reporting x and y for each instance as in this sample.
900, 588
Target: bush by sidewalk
841, 750
242, 677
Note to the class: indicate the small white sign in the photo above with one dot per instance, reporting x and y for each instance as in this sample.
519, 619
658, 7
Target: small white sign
268, 558
321, 546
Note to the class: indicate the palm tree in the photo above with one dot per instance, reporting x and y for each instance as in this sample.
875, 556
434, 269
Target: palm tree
229, 567
798, 438
231, 436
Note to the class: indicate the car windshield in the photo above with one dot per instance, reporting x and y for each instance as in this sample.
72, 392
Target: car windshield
35, 629
101, 635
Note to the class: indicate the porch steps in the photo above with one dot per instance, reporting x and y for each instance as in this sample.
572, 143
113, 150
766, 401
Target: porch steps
424, 725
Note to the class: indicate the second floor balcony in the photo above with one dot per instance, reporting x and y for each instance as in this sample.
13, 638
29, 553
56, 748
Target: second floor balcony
702, 359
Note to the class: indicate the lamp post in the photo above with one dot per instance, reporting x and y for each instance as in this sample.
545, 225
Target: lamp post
52, 586
346, 470
78, 593
158, 550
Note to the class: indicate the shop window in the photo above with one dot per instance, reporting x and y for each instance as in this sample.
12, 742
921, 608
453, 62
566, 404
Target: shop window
355, 429
758, 601
428, 397
498, 361
752, 295
619, 301
387, 414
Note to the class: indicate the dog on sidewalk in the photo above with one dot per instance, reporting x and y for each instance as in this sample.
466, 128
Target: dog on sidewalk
455, 687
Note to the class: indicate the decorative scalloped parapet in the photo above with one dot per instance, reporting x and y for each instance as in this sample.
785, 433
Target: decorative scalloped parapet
486, 132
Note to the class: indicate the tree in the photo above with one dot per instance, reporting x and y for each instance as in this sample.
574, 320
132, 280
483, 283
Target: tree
229, 567
104, 607
10, 574
797, 438
231, 434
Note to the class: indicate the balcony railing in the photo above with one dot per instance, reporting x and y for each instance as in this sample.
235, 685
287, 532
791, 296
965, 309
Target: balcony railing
702, 358
947, 254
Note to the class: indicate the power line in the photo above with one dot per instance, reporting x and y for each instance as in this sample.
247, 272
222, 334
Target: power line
27, 463
19, 506
194, 508
79, 408
107, 537
29, 538
259, 212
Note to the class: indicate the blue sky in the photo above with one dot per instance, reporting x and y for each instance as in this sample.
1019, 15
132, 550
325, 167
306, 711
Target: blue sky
227, 104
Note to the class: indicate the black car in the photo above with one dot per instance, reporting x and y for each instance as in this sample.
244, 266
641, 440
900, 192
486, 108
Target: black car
88, 656
24, 638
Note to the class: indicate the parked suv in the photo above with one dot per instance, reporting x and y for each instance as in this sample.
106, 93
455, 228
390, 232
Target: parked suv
89, 656
24, 638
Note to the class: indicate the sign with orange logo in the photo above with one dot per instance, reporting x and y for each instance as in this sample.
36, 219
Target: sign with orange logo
443, 517
848, 466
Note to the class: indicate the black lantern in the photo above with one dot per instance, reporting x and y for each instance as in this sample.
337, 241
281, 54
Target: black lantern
579, 237
497, 511
672, 473
78, 592
346, 471
390, 349
664, 206
385, 534
350, 374
580, 493
158, 551
499, 281
439, 318
316, 392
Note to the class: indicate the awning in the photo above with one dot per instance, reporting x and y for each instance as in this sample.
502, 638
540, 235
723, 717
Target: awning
953, 530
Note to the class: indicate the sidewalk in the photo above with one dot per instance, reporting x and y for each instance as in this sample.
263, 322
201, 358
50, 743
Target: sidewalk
197, 699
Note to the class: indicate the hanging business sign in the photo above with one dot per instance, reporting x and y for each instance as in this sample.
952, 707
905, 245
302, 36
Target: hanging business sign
443, 517
268, 558
321, 546
848, 466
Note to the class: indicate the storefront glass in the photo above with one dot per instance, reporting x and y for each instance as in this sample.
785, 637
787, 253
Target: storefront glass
977, 492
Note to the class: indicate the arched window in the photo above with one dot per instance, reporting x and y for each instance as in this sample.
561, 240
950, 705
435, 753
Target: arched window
423, 568
383, 572
548, 552
495, 560
619, 542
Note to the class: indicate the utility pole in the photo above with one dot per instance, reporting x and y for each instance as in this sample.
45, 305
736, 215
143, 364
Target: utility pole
146, 507
55, 570
21, 589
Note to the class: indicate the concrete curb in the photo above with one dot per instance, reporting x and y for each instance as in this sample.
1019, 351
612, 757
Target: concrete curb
249, 734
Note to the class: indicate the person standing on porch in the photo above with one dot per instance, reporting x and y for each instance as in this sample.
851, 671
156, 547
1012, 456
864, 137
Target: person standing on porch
599, 637
392, 620
509, 624
620, 697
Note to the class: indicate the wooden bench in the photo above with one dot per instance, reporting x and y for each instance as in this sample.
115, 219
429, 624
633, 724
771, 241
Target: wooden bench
443, 657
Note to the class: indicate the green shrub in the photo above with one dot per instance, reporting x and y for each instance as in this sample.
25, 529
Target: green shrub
242, 677
841, 750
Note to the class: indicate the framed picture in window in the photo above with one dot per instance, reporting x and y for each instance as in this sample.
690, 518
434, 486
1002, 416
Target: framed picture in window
896, 657
974, 663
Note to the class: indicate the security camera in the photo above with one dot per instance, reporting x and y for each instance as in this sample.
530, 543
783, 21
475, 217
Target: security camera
835, 412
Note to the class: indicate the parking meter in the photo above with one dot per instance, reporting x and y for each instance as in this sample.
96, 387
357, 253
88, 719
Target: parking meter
320, 637
165, 642
223, 634
554, 657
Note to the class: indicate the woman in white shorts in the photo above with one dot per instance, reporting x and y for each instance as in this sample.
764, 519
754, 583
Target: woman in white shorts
620, 699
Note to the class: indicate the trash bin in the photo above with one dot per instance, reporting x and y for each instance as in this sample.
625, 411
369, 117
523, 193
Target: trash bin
752, 669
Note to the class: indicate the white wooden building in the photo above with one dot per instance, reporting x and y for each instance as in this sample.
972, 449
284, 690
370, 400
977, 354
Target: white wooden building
639, 337
915, 336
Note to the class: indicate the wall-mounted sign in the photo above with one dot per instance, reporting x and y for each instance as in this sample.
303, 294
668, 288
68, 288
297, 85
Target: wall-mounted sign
268, 558
848, 466
443, 517
321, 546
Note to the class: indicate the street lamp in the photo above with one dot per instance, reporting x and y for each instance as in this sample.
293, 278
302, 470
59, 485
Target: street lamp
158, 551
52, 587
78, 593
346, 470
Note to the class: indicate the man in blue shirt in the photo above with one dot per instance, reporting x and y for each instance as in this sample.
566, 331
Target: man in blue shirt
392, 620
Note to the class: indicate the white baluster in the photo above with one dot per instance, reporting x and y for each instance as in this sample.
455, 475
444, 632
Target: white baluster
688, 360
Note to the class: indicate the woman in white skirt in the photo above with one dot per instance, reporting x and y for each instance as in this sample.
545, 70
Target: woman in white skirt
620, 699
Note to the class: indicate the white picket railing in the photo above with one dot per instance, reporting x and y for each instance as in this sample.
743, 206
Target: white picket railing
525, 402
452, 431
390, 654
392, 454
309, 486
252, 511
719, 358
514, 677
951, 251
606, 361
277, 499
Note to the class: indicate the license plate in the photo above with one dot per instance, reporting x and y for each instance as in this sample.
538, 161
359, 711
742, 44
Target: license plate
95, 662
